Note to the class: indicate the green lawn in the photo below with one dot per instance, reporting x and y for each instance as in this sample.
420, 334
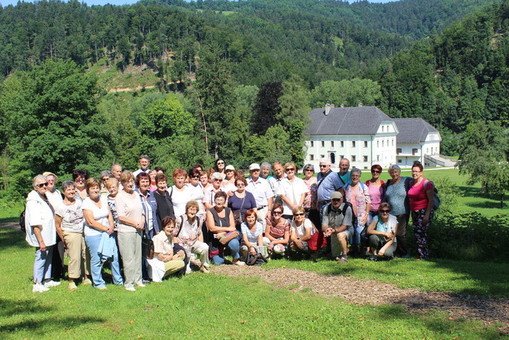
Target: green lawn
208, 306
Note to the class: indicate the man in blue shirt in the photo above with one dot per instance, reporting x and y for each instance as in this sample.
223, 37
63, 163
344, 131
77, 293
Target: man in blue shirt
344, 174
327, 182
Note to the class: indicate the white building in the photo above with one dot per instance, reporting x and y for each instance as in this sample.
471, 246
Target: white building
367, 136
417, 141
364, 135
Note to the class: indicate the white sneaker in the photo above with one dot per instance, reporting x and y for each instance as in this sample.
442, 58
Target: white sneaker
130, 288
51, 284
38, 288
239, 263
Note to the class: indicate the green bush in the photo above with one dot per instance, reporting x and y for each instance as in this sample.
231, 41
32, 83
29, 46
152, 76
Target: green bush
470, 236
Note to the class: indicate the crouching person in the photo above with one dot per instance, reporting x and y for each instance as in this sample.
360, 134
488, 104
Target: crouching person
382, 231
277, 231
40, 233
337, 223
169, 257
189, 235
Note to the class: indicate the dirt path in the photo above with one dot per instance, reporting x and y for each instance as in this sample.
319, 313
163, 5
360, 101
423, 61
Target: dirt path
488, 310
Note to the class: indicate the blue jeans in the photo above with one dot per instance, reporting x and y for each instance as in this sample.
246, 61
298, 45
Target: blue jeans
356, 238
42, 264
234, 246
96, 264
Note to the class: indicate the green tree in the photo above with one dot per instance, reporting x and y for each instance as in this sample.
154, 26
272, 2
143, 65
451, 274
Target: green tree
484, 156
347, 93
51, 121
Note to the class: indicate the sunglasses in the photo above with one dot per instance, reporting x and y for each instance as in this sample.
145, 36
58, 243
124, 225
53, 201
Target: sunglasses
290, 169
42, 185
299, 214
323, 166
277, 212
336, 199
376, 171
195, 177
220, 162
385, 211
308, 170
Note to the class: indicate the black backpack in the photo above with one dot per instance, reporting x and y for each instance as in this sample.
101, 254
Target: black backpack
343, 211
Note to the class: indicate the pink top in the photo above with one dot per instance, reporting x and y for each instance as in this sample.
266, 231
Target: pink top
376, 194
417, 195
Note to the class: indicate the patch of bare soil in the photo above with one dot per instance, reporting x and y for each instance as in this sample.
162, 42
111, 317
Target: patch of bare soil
488, 310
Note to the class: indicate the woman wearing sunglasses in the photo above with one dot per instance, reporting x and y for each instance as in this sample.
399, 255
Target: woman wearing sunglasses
376, 191
277, 231
382, 233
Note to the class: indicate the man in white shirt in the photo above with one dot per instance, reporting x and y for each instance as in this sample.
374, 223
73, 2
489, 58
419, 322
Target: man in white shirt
144, 162
261, 191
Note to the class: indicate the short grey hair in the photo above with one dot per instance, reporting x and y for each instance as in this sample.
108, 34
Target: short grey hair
356, 170
37, 178
309, 167
394, 167
266, 165
67, 184
105, 173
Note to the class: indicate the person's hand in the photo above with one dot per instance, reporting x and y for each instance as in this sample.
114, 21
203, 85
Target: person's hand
270, 246
109, 230
42, 246
425, 220
381, 253
364, 219
180, 254
252, 250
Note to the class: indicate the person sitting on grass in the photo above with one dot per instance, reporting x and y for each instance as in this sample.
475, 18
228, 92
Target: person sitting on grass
382, 231
277, 231
169, 257
189, 235
336, 223
252, 234
302, 229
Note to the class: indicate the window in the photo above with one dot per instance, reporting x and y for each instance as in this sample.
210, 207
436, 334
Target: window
332, 143
393, 142
323, 143
353, 158
342, 144
378, 158
353, 144
311, 157
383, 128
364, 158
312, 143
414, 151
332, 157
342, 156
366, 168
365, 143
398, 151
377, 143
383, 144
399, 161
322, 156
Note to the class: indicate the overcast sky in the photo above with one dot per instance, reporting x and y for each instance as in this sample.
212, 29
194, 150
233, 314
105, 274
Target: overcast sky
121, 2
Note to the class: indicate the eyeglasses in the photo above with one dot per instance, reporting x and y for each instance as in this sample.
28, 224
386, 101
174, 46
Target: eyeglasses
336, 199
196, 177
385, 211
241, 185
290, 169
323, 166
218, 180
220, 163
299, 214
308, 170
376, 171
42, 185
277, 212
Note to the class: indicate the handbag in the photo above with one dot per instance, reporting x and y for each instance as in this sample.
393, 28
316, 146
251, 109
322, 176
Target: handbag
237, 216
228, 237
147, 247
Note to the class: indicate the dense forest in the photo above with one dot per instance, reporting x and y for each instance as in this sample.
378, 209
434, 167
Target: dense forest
237, 79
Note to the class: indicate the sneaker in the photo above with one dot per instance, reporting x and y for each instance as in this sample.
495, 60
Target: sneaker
51, 284
372, 258
39, 288
204, 269
343, 259
72, 286
239, 263
86, 282
130, 288
102, 288
141, 284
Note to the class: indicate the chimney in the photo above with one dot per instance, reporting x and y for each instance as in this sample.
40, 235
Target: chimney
328, 107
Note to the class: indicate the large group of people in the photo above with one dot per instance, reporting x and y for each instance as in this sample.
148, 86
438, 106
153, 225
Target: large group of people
145, 230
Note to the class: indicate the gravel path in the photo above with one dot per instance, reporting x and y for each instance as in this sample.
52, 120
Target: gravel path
488, 310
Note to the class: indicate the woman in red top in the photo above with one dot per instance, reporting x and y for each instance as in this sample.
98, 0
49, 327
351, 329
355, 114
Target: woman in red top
420, 196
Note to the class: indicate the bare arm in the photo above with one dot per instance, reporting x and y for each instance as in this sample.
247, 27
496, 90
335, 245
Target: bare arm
58, 225
89, 218
38, 235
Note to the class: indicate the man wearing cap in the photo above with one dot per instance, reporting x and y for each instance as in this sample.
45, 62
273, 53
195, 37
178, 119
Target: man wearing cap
327, 182
144, 162
338, 223
261, 191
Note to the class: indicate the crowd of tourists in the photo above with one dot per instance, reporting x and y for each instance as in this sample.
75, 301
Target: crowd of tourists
146, 230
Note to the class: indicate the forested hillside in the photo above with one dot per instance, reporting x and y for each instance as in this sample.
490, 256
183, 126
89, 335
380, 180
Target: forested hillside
235, 79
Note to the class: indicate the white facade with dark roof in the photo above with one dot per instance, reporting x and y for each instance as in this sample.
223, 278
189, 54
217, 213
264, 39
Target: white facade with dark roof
367, 136
417, 141
364, 135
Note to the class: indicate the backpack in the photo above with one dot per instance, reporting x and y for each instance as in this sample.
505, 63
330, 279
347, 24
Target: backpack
343, 211
436, 198
22, 224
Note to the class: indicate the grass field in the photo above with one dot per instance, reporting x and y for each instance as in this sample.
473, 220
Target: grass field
212, 306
